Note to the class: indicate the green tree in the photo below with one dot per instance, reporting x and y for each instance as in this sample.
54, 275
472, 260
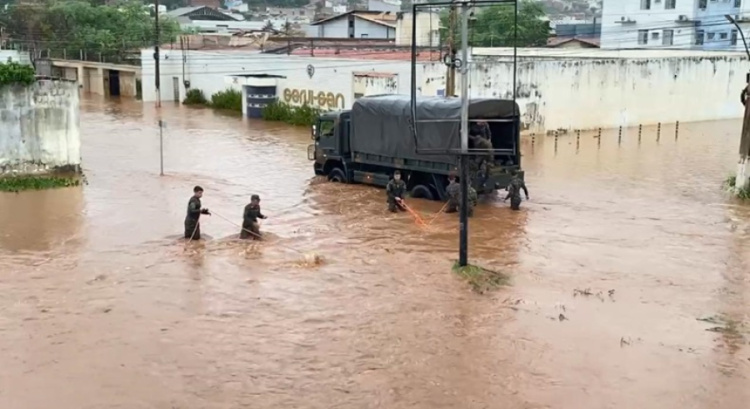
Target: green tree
493, 26
111, 31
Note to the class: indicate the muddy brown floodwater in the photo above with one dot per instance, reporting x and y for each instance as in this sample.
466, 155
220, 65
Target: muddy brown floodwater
630, 279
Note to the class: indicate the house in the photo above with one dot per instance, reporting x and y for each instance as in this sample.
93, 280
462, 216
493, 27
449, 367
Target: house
572, 42
696, 24
205, 19
356, 24
577, 35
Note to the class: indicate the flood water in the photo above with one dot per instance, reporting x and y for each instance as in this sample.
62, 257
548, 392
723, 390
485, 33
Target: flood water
630, 279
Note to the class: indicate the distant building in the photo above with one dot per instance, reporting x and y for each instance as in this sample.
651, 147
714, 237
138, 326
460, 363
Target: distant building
428, 29
698, 24
356, 24
578, 35
208, 20
384, 5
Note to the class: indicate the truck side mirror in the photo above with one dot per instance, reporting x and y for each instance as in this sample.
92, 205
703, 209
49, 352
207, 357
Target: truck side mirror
312, 132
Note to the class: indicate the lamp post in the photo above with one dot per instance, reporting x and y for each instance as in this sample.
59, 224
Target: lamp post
742, 179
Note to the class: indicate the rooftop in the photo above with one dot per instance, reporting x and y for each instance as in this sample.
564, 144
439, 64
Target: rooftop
384, 18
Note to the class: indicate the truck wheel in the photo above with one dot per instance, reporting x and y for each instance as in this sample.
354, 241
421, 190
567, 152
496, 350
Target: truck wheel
422, 192
337, 176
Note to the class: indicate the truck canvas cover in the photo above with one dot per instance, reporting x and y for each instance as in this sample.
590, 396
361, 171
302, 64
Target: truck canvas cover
381, 124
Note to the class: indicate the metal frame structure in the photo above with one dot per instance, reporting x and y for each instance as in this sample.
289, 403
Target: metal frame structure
464, 152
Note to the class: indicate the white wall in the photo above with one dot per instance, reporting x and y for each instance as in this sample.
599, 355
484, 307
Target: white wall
368, 29
587, 94
39, 127
570, 92
334, 29
619, 35
207, 71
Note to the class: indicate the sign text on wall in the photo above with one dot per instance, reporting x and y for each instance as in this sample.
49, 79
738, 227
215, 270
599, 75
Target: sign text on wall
321, 99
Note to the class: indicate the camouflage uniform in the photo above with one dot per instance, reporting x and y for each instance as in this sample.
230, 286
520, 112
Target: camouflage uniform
514, 192
395, 189
250, 222
454, 198
192, 225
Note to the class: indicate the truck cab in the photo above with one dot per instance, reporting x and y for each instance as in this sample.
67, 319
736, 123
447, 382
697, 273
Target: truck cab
330, 149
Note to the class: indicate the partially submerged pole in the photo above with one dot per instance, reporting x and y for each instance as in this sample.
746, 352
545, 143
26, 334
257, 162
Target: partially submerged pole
742, 180
463, 252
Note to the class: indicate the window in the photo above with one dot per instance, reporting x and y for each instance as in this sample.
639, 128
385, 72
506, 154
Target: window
655, 35
645, 4
733, 39
737, 3
364, 35
667, 37
702, 4
723, 36
326, 128
699, 37
670, 4
642, 37
710, 36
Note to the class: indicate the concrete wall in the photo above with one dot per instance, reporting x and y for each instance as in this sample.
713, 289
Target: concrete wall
39, 127
557, 89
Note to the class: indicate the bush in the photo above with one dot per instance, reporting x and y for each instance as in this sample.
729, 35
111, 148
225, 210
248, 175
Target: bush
21, 183
228, 99
283, 112
195, 97
15, 73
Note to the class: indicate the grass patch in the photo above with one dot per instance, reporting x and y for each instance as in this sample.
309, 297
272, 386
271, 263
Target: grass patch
730, 185
21, 183
304, 115
481, 279
229, 99
195, 97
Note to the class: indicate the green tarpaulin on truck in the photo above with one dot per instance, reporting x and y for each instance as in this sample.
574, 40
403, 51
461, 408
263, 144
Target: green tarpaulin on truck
381, 124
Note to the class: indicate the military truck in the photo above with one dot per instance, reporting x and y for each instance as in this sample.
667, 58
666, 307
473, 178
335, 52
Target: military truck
369, 142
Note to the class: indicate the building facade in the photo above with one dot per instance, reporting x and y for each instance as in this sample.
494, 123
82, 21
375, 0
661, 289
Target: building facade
612, 88
694, 24
356, 24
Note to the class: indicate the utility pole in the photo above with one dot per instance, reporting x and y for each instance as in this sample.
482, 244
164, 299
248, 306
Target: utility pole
450, 78
157, 73
742, 180
463, 255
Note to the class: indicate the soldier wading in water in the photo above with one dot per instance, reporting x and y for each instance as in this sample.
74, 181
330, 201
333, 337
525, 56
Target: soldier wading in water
194, 212
396, 189
250, 226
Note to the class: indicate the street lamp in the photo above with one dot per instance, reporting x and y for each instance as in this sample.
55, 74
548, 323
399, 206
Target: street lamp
733, 21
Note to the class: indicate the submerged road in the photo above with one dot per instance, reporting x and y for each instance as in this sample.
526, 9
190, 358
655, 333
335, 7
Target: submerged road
630, 279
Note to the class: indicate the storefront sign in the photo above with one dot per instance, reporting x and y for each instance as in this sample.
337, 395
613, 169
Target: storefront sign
319, 99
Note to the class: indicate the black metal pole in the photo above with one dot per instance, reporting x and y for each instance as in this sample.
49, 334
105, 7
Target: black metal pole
463, 250
157, 43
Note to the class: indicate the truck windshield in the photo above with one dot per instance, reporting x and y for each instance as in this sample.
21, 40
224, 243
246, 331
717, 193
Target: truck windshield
326, 128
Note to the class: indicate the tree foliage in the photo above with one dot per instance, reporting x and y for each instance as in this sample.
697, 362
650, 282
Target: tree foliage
15, 73
83, 25
494, 26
